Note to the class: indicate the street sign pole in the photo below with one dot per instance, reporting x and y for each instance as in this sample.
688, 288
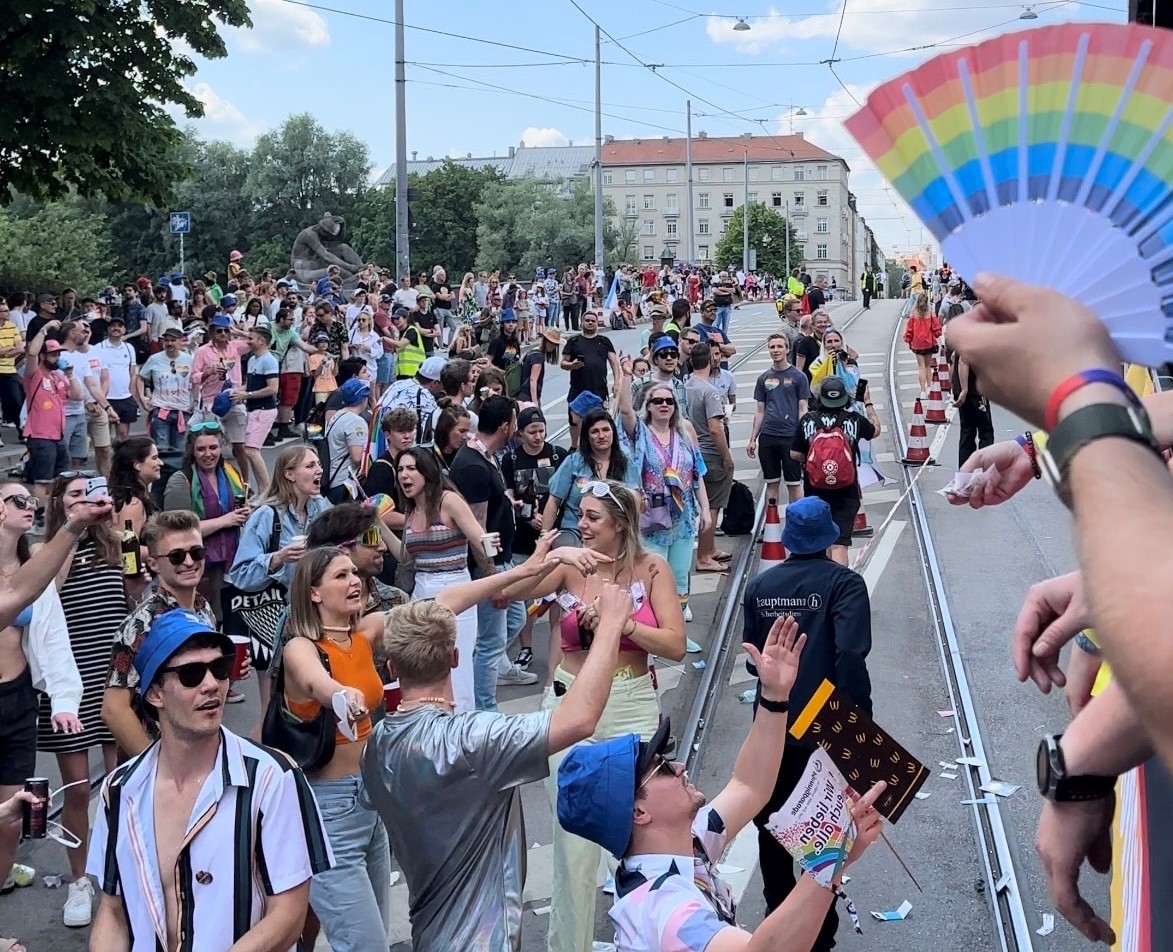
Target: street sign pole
181, 271
180, 224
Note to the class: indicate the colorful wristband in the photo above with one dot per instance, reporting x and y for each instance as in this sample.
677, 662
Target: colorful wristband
1027, 442
1078, 381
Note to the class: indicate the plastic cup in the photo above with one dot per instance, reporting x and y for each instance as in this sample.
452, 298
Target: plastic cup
391, 696
240, 646
491, 544
299, 539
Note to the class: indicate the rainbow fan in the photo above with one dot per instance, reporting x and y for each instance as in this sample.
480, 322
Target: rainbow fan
1045, 155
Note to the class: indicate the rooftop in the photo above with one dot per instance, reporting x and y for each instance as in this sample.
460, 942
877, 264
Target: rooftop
714, 149
544, 162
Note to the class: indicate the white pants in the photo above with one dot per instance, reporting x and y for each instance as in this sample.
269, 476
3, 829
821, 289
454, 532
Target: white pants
429, 585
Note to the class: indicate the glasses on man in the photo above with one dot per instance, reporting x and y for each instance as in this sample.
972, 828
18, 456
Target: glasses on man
192, 674
669, 355
666, 768
372, 538
178, 556
22, 502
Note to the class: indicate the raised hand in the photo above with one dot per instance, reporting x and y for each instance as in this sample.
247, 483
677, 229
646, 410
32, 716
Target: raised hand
777, 662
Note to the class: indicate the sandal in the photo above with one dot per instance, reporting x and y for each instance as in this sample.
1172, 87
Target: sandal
712, 567
11, 945
723, 556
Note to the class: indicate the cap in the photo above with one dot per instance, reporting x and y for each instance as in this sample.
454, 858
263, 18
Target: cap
354, 392
809, 526
530, 415
659, 312
176, 276
400, 312
508, 316
46, 298
321, 337
386, 298
229, 300
172, 332
430, 368
665, 343
168, 633
833, 393
51, 346
143, 282
221, 320
115, 319
597, 783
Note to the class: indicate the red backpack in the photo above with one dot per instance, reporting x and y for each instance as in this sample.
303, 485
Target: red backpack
830, 461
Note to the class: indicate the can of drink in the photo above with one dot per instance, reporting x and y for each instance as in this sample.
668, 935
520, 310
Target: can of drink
34, 820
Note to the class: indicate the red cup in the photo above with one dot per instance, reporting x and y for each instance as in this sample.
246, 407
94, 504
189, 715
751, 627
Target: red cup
391, 696
238, 660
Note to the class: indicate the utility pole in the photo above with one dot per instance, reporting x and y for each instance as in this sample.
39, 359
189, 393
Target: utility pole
787, 242
599, 152
688, 219
745, 220
402, 238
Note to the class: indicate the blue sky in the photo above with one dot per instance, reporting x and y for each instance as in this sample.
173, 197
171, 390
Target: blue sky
469, 96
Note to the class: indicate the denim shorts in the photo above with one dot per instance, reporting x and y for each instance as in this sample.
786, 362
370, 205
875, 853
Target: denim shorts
77, 436
383, 369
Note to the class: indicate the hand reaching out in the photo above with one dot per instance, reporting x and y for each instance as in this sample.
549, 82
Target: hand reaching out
777, 662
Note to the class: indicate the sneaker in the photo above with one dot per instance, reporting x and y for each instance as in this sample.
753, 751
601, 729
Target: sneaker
524, 658
233, 697
691, 646
272, 439
516, 675
79, 903
688, 613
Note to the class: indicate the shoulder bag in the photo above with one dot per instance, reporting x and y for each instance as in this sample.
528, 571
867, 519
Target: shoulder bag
310, 743
256, 614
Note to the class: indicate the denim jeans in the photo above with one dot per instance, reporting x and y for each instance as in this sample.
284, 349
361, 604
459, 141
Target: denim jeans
515, 613
490, 648
350, 899
446, 319
553, 311
165, 433
723, 315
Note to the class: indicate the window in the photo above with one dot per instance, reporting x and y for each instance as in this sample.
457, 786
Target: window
629, 205
702, 252
649, 251
821, 197
821, 226
726, 175
702, 174
702, 199
821, 252
799, 199
798, 174
728, 199
629, 176
820, 171
649, 176
753, 173
649, 203
670, 175
648, 228
608, 178
753, 196
672, 228
702, 227
671, 205
776, 199
776, 173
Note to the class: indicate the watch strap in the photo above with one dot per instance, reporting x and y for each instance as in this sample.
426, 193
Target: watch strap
1086, 425
774, 707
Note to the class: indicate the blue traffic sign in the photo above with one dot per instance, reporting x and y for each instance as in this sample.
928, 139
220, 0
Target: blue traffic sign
180, 223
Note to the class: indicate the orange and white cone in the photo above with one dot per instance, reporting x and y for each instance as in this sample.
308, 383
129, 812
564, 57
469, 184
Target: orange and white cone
944, 377
917, 453
773, 552
860, 528
935, 410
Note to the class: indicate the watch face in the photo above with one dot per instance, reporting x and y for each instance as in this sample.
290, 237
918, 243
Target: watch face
1043, 767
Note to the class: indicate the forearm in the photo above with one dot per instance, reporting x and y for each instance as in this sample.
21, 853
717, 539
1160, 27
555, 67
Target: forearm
756, 426
109, 932
35, 575
123, 722
1105, 738
757, 762
1126, 566
467, 594
281, 925
794, 925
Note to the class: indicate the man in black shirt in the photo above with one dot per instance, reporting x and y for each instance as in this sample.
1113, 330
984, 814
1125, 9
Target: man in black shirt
723, 298
816, 296
423, 318
478, 479
587, 357
445, 302
806, 348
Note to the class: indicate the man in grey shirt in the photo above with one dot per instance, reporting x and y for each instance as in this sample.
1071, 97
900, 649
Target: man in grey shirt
346, 439
447, 785
706, 413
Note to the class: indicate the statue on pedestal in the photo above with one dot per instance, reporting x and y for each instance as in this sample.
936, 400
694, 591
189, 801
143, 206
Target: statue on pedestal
320, 248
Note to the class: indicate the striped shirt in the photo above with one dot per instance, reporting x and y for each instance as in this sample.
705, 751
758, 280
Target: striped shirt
254, 832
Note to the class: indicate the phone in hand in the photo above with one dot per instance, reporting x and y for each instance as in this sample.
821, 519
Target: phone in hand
96, 488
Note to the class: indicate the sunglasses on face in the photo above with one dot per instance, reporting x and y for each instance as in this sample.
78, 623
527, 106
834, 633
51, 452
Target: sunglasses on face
179, 556
372, 538
661, 401
668, 355
664, 767
192, 674
22, 502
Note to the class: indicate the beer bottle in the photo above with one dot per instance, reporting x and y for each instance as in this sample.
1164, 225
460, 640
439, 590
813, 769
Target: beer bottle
131, 560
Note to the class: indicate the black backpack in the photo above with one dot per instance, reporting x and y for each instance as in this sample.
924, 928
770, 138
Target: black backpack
739, 511
616, 321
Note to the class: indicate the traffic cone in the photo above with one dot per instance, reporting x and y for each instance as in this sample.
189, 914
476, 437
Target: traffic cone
860, 528
773, 552
944, 377
935, 411
917, 453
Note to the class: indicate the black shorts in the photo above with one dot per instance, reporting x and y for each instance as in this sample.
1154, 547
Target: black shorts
46, 459
844, 505
18, 730
777, 463
924, 351
126, 408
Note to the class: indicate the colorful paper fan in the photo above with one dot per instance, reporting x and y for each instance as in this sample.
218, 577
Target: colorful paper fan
1045, 155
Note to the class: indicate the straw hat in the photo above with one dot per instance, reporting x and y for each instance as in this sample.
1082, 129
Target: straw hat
553, 335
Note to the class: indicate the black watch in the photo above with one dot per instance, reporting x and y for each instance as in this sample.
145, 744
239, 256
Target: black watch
774, 707
1056, 785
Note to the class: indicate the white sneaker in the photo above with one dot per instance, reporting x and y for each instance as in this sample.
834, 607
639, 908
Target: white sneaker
688, 613
516, 675
79, 904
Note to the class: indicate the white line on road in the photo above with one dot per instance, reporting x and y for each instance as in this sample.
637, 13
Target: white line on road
883, 552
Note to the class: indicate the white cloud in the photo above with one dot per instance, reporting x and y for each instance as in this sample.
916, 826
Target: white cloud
223, 120
282, 26
534, 137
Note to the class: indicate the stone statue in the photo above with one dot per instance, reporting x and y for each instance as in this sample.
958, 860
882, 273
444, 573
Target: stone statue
319, 249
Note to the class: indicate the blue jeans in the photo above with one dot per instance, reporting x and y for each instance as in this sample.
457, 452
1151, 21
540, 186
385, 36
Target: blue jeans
723, 315
350, 898
489, 650
165, 433
553, 312
515, 613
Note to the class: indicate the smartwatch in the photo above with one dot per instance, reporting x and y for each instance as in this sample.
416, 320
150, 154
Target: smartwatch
1054, 782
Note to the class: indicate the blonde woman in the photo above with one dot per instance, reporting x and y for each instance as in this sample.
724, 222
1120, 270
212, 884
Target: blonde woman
466, 299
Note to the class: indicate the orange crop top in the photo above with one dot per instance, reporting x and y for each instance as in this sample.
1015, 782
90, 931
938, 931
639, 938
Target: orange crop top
354, 667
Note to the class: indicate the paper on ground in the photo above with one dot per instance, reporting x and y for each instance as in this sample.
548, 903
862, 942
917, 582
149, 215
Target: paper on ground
1048, 925
894, 915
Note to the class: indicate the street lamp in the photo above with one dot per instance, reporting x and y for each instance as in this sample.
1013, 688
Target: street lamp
1028, 13
741, 26
795, 111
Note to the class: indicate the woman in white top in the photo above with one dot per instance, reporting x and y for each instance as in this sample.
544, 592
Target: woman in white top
365, 341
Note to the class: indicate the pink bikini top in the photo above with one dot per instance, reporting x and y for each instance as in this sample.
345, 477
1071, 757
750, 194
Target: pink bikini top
572, 637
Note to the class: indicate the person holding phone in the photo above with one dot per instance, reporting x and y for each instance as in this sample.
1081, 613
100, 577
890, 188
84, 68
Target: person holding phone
46, 390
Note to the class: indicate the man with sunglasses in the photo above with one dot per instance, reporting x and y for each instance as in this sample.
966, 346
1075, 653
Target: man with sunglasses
240, 876
627, 796
175, 557
168, 375
213, 365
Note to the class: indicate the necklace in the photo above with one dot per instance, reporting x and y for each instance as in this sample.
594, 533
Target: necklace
425, 700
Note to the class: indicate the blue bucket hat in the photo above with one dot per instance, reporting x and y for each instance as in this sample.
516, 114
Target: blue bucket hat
221, 320
508, 316
222, 403
584, 403
809, 527
354, 392
665, 343
596, 787
228, 300
168, 633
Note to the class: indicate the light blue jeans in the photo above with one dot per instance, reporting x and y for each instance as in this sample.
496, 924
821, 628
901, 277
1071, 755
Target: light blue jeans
723, 315
553, 311
350, 899
515, 613
490, 648
678, 555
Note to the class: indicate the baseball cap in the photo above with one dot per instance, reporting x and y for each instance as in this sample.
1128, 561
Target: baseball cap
530, 415
659, 312
833, 393
51, 346
221, 320
115, 319
430, 368
168, 633
354, 392
596, 786
665, 343
172, 332
46, 298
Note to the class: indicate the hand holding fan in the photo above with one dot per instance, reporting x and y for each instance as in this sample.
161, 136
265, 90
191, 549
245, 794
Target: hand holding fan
1045, 155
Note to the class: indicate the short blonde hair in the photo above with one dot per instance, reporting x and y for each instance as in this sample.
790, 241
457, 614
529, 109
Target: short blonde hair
419, 638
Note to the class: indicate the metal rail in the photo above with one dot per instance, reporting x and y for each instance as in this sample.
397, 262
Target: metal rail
997, 856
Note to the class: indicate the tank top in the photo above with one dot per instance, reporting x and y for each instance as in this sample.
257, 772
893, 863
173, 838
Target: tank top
437, 548
572, 637
354, 666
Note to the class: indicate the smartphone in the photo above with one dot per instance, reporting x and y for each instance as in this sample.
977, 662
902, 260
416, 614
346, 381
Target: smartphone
96, 488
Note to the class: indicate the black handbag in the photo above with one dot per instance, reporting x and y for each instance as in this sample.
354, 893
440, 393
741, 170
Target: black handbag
257, 614
310, 743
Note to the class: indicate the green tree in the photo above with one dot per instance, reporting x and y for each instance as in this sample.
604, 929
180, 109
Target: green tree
445, 216
626, 236
57, 245
767, 234
219, 219
87, 85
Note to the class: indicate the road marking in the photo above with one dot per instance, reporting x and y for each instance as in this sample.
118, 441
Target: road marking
740, 861
882, 553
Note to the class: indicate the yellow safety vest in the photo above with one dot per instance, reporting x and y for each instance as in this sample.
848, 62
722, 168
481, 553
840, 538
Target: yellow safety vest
412, 355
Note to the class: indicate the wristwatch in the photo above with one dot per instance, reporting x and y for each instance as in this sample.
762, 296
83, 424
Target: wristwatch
1056, 785
774, 707
1086, 425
